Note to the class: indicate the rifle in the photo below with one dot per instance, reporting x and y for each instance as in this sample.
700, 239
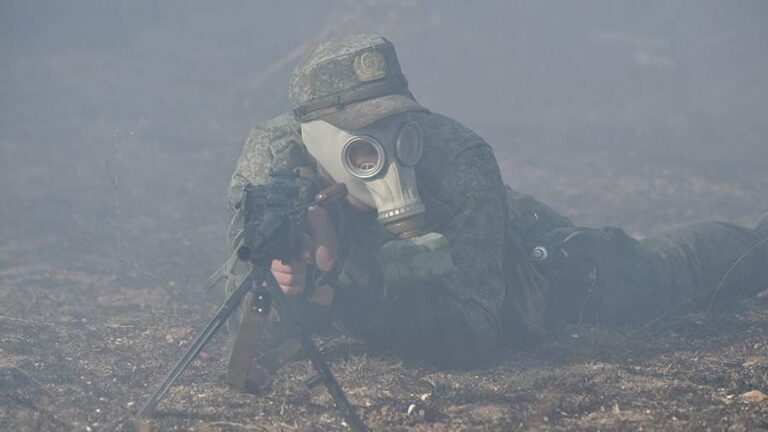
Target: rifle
274, 217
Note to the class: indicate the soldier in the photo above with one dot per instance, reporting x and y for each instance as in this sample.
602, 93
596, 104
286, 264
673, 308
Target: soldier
430, 254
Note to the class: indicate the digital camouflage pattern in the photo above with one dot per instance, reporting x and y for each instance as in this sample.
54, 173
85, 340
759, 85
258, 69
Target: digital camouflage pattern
497, 290
497, 293
459, 319
337, 66
415, 260
351, 83
603, 276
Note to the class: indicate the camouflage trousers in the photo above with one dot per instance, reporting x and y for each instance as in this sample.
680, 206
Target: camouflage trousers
604, 276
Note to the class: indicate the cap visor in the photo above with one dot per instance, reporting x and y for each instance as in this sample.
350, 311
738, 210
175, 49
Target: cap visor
361, 114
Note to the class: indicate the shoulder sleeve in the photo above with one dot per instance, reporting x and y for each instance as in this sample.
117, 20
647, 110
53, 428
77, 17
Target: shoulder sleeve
477, 229
472, 296
275, 144
455, 320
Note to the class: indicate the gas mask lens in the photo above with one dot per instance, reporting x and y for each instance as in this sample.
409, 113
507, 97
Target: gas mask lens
409, 144
363, 157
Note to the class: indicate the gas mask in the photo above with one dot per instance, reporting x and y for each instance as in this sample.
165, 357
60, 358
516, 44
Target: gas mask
377, 163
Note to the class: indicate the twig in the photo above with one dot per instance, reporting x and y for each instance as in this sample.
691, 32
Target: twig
52, 417
33, 379
289, 427
11, 306
733, 266
593, 278
135, 264
237, 425
114, 179
26, 321
119, 326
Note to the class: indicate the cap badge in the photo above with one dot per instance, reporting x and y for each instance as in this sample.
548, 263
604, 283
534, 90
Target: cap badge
370, 65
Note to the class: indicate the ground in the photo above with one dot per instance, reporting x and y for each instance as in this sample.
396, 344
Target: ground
82, 347
120, 124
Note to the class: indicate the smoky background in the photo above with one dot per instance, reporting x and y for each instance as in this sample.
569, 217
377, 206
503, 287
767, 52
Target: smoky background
120, 122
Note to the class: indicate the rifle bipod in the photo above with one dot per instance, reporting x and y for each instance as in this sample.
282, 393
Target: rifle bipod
280, 302
272, 221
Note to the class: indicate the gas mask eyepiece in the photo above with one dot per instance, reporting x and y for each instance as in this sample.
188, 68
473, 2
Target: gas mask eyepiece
363, 156
409, 144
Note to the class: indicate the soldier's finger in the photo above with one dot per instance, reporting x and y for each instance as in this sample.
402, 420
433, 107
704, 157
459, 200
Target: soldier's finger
289, 281
324, 235
297, 266
291, 290
307, 246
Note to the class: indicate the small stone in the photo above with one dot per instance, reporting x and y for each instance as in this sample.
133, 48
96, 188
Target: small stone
425, 396
753, 396
411, 408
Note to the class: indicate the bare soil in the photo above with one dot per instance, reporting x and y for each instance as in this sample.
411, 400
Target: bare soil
81, 348
120, 124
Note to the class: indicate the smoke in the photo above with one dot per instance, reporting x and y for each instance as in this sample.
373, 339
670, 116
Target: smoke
120, 122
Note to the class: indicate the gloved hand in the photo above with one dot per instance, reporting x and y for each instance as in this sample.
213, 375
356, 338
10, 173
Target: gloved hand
415, 260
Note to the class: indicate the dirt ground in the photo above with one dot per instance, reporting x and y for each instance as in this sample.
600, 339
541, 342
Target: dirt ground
82, 346
120, 124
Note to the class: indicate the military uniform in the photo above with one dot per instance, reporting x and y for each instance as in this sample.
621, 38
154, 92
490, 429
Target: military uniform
494, 292
460, 318
604, 276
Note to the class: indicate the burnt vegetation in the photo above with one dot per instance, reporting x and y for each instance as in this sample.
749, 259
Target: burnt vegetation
120, 127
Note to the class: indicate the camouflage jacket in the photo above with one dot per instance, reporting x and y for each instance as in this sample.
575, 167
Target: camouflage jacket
493, 294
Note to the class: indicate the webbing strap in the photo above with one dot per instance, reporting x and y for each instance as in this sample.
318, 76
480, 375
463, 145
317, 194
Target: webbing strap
336, 102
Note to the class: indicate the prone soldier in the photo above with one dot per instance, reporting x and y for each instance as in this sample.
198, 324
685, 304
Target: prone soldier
430, 254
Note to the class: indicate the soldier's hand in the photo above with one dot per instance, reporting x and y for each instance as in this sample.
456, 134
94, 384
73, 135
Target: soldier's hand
321, 247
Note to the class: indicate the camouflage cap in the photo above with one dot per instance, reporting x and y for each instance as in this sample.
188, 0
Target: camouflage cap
351, 83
